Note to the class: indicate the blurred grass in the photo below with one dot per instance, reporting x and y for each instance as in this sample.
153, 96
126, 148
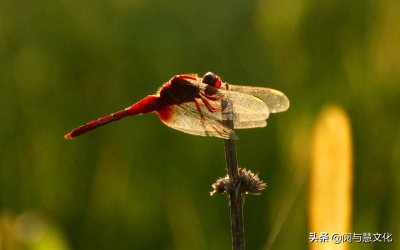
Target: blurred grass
30, 230
63, 63
331, 177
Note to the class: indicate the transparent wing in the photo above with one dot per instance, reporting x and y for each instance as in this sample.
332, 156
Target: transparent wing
248, 111
275, 100
186, 118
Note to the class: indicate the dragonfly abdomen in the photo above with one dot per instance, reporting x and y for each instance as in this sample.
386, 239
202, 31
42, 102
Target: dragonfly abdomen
146, 105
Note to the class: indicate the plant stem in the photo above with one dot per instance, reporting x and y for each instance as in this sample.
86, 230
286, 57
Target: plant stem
235, 196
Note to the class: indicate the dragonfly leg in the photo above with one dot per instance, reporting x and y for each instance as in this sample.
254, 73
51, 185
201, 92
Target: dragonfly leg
210, 107
203, 120
212, 97
196, 102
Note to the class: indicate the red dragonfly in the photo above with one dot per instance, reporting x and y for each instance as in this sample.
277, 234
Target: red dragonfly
192, 104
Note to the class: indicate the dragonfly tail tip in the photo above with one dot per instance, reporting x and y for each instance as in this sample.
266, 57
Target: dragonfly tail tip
68, 136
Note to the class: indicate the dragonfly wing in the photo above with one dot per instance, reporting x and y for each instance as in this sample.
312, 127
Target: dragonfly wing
275, 100
250, 124
186, 118
248, 111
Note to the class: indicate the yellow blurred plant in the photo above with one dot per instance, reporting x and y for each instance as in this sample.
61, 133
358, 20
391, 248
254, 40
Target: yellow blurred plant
331, 176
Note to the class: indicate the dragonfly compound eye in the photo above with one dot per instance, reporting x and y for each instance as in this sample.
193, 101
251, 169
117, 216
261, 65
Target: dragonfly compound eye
209, 78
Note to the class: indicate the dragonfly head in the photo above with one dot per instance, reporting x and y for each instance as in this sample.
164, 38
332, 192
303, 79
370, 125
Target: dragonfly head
212, 79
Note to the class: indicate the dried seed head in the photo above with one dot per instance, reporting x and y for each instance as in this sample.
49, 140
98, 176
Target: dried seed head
222, 185
247, 183
250, 182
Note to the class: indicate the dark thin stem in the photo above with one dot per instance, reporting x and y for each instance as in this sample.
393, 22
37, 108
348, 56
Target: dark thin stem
235, 196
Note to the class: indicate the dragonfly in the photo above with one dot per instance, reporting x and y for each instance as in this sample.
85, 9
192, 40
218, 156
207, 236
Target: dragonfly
192, 104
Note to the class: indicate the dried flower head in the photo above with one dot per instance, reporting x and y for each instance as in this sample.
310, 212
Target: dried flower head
248, 183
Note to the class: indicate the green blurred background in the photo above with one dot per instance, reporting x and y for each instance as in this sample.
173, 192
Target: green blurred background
138, 184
